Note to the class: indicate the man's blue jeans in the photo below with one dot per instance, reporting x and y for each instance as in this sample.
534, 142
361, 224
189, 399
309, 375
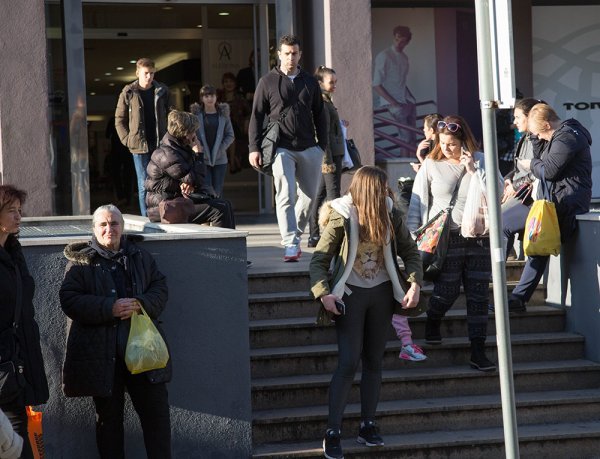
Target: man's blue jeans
140, 162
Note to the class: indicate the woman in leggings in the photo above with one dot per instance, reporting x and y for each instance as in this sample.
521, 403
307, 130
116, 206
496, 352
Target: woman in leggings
363, 235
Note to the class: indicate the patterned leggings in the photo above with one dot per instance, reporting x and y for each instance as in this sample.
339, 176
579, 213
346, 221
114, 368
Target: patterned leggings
467, 262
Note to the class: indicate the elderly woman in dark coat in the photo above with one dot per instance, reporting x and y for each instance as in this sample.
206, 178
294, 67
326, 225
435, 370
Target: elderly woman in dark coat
106, 282
20, 345
177, 169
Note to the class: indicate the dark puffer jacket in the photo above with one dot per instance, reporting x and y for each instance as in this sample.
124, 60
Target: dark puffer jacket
87, 295
170, 165
36, 389
566, 163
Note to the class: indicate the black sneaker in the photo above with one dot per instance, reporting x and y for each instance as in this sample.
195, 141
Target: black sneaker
332, 447
368, 434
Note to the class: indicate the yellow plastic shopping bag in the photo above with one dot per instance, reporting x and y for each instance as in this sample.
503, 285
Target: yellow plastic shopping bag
542, 233
146, 349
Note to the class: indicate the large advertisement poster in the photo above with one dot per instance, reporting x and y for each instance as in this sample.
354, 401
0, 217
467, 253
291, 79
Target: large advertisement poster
404, 78
566, 67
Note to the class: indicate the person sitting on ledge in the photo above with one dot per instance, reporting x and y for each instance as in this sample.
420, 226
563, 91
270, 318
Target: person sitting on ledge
177, 169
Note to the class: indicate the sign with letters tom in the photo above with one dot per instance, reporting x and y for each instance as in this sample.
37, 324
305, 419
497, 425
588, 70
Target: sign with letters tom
566, 68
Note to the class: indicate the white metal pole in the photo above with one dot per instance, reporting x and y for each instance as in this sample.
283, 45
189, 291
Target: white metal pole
484, 13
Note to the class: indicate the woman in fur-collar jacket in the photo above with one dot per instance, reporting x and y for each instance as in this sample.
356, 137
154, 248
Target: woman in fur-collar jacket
363, 235
107, 280
215, 133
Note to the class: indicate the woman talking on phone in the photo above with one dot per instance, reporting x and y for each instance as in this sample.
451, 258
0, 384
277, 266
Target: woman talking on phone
450, 167
177, 169
363, 234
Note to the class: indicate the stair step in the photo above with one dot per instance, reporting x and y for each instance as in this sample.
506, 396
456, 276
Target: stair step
449, 413
300, 331
296, 277
323, 358
561, 440
293, 279
278, 304
422, 381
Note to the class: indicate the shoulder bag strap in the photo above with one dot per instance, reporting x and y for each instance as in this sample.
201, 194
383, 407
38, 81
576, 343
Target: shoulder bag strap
18, 305
283, 113
19, 284
455, 194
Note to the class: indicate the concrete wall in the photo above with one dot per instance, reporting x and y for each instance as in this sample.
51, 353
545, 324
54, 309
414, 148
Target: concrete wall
206, 322
574, 283
24, 130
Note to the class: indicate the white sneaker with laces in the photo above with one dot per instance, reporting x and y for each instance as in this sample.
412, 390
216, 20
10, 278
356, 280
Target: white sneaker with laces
412, 352
292, 252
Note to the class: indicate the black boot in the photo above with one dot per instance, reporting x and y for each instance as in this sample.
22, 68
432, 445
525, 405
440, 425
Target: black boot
478, 359
432, 331
516, 305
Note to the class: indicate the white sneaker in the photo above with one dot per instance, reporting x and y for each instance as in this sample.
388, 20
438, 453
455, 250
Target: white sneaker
292, 252
412, 352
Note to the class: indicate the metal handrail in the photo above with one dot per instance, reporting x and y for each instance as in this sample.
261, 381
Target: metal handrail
383, 122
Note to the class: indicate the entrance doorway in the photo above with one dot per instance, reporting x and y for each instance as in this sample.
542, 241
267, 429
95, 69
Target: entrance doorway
192, 45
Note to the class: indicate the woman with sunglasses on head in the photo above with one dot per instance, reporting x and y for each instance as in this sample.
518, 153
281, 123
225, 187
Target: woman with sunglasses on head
516, 199
562, 158
331, 178
452, 165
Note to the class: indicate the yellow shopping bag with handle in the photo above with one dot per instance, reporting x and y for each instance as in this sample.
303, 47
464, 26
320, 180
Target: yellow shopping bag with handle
542, 233
146, 349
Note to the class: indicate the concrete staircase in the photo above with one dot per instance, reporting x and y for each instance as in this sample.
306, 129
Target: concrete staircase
439, 408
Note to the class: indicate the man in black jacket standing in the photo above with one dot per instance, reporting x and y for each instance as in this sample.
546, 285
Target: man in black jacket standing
297, 165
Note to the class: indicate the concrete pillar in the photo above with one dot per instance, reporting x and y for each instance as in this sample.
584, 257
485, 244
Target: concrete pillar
24, 126
347, 48
523, 46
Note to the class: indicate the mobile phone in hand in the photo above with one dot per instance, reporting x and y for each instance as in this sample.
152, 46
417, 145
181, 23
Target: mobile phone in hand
341, 307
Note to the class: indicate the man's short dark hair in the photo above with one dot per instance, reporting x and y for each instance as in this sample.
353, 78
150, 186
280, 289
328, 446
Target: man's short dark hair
403, 31
145, 62
289, 40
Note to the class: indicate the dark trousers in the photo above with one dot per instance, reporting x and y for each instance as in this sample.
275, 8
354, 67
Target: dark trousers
151, 403
468, 263
514, 215
534, 269
217, 212
361, 334
330, 188
16, 414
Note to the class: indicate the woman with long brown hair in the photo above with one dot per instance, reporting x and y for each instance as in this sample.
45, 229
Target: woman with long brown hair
363, 234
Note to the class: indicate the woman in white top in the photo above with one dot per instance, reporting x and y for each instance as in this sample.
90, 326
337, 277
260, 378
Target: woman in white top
454, 163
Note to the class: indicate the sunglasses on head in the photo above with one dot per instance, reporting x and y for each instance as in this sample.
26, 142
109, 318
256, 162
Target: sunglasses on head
452, 127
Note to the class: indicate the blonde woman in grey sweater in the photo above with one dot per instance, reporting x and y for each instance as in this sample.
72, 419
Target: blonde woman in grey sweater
454, 163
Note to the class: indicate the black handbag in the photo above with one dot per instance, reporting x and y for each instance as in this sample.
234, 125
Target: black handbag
433, 238
12, 377
354, 156
270, 142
